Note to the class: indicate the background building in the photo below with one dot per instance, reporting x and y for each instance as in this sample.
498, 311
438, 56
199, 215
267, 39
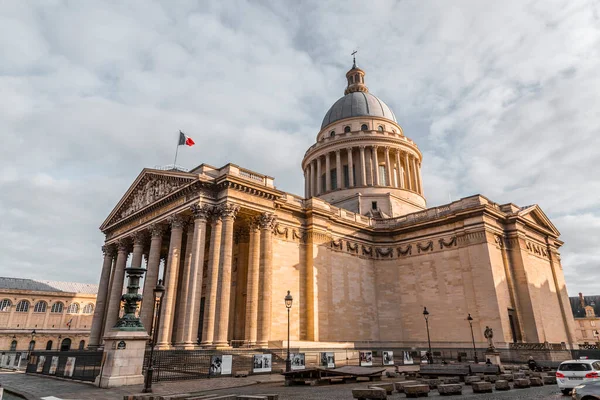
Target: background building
586, 310
59, 312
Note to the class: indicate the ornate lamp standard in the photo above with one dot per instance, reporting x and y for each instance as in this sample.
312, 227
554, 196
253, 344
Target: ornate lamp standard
426, 316
288, 304
32, 343
159, 291
470, 319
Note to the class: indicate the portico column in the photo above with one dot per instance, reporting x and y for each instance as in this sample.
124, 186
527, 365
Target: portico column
266, 222
399, 170
97, 321
375, 166
228, 212
180, 323
312, 179
210, 307
418, 165
171, 276
338, 168
350, 167
306, 183
409, 183
114, 303
388, 167
327, 172
252, 290
319, 186
194, 294
415, 175
363, 167
151, 278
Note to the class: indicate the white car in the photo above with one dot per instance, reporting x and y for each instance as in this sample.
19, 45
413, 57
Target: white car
572, 373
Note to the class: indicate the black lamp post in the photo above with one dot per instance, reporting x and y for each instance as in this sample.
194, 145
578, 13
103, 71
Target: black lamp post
470, 319
159, 291
288, 304
426, 316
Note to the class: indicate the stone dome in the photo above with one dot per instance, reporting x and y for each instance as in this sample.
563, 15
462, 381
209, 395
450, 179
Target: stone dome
356, 104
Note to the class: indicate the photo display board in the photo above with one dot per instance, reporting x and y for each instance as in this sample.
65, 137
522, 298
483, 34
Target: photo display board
328, 360
262, 363
220, 365
388, 358
366, 358
407, 358
298, 361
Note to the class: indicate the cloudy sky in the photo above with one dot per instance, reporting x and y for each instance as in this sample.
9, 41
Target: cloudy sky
503, 97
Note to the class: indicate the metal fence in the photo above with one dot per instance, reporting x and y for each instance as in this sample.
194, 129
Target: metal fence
80, 365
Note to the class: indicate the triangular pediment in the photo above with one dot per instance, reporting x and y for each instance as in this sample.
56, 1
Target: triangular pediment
534, 215
150, 187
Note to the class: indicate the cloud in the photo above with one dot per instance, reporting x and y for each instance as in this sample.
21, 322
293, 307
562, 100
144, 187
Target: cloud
500, 97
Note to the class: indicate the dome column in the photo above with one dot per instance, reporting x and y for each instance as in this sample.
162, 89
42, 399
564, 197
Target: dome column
312, 180
399, 170
409, 184
420, 178
415, 175
319, 186
306, 183
388, 167
375, 166
338, 168
363, 169
350, 168
327, 172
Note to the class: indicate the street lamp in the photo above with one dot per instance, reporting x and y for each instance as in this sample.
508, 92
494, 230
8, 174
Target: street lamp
426, 316
470, 319
159, 291
288, 304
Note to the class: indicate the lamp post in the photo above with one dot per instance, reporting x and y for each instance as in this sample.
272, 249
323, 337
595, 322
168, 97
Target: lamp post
288, 304
426, 316
159, 291
32, 343
470, 319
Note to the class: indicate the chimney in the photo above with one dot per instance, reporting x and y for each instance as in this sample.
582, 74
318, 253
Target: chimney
581, 300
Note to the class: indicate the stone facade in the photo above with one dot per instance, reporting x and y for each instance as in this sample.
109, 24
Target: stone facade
361, 256
587, 319
59, 312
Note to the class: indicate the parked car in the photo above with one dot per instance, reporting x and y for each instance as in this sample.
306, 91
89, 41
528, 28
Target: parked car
574, 373
587, 391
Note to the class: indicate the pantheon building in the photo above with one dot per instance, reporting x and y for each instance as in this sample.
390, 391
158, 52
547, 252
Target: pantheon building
360, 252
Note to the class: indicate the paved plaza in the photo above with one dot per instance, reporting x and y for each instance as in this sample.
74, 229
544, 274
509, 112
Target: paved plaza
37, 387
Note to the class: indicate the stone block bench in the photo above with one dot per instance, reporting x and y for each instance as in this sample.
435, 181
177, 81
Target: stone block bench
536, 381
399, 386
446, 380
416, 390
506, 377
522, 383
432, 383
388, 387
502, 384
448, 389
470, 379
437, 371
491, 378
484, 369
481, 387
549, 380
369, 394
519, 375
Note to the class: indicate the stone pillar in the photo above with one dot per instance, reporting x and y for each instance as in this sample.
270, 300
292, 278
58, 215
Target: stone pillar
183, 284
98, 319
409, 183
228, 212
114, 303
266, 222
363, 167
388, 167
151, 278
338, 167
165, 329
415, 175
110, 286
252, 290
210, 305
420, 178
307, 183
375, 166
312, 180
319, 187
350, 167
327, 172
399, 170
139, 239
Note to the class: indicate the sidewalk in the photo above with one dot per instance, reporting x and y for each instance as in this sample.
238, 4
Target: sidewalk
34, 387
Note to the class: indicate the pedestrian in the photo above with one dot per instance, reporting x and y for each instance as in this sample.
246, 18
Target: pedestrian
532, 364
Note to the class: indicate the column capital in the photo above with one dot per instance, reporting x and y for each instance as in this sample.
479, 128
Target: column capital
139, 237
267, 221
201, 212
362, 147
157, 230
176, 221
387, 148
109, 250
124, 245
349, 149
338, 151
375, 146
228, 210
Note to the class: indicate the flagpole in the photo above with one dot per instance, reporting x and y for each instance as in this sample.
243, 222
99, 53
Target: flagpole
176, 151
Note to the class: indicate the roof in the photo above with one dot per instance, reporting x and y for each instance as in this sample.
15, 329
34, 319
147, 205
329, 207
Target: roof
579, 311
356, 104
47, 286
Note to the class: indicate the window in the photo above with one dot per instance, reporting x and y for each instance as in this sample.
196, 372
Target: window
65, 345
374, 205
382, 176
333, 177
82, 345
346, 129
380, 128
323, 184
32, 345
332, 133
364, 127
40, 306
574, 367
13, 345
57, 307
346, 177
22, 306
73, 308
88, 309
49, 345
5, 305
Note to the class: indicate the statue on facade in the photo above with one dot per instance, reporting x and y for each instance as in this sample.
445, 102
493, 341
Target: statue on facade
489, 335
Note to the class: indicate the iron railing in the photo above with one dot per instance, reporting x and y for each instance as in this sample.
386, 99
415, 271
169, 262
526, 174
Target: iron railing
80, 365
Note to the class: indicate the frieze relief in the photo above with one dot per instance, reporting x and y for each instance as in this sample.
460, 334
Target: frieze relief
153, 189
423, 248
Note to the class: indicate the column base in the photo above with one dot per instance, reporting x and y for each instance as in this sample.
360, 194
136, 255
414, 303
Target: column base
164, 346
263, 345
186, 346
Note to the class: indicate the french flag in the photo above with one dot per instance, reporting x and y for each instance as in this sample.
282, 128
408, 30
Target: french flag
185, 140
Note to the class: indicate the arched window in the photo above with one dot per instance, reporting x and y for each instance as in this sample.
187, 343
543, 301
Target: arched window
13, 345
22, 306
49, 345
82, 345
332, 133
364, 127
5, 305
40, 306
57, 307
65, 345
346, 129
73, 308
88, 309
32, 345
380, 128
